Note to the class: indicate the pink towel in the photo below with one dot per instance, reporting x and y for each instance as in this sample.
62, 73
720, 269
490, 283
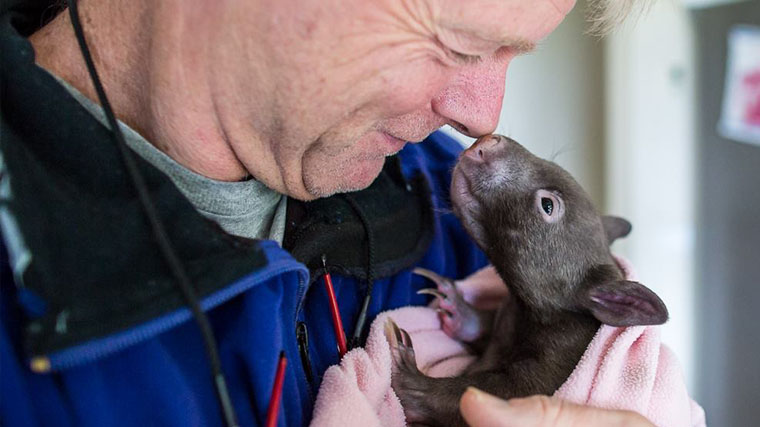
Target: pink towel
623, 368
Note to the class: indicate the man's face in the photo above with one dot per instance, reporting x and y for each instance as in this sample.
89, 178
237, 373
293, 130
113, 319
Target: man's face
348, 82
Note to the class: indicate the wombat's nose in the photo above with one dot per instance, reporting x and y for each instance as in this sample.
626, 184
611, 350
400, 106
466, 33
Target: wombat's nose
483, 148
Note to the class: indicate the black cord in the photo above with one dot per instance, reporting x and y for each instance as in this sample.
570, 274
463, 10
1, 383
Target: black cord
362, 319
159, 231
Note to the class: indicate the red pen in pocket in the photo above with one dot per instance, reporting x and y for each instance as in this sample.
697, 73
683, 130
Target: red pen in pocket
340, 335
274, 400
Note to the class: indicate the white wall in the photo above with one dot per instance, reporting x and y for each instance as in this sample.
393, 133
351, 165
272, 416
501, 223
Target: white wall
650, 160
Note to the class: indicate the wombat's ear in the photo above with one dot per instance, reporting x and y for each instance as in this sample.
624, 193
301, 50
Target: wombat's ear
615, 227
625, 303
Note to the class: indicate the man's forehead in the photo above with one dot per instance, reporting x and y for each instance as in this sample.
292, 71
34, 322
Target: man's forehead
515, 23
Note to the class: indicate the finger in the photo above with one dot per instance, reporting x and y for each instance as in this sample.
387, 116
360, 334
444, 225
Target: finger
481, 409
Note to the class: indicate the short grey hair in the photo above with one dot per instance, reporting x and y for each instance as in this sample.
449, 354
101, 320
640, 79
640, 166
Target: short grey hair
604, 15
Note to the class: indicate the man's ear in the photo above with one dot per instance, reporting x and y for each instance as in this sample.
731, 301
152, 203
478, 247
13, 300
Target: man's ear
615, 227
625, 303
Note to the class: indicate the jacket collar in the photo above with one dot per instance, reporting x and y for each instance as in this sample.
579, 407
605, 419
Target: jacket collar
95, 268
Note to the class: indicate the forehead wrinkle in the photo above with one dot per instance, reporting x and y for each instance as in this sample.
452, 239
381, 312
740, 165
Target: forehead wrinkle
499, 22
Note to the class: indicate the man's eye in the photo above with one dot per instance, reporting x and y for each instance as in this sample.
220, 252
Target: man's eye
547, 205
458, 57
464, 58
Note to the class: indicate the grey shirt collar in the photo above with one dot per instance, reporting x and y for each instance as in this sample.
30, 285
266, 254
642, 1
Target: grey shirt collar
245, 208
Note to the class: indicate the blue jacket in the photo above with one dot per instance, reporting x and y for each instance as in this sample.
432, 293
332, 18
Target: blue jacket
92, 331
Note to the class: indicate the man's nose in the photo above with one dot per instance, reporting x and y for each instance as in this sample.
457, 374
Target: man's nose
471, 103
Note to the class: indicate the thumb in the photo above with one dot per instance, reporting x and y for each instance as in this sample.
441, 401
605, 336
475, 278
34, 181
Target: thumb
481, 409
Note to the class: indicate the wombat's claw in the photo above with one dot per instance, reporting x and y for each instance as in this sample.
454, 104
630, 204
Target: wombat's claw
390, 332
440, 281
402, 349
406, 339
396, 335
432, 291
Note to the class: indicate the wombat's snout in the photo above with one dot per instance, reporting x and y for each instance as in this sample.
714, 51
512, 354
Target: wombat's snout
484, 148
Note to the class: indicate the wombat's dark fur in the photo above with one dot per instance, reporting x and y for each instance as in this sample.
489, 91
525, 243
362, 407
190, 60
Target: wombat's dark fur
542, 234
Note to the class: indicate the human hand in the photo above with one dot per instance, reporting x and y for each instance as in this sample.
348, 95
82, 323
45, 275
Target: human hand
481, 409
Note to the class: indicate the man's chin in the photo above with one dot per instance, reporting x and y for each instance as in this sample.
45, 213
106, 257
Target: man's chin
354, 176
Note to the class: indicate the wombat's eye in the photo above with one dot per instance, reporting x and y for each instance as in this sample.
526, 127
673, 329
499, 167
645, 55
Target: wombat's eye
549, 205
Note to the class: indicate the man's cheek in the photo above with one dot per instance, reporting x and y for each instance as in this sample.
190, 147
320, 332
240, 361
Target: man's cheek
413, 88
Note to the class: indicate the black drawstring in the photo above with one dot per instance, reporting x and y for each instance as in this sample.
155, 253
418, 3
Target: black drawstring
302, 336
361, 320
159, 232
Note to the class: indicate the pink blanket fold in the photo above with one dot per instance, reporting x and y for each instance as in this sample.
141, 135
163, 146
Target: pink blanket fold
622, 368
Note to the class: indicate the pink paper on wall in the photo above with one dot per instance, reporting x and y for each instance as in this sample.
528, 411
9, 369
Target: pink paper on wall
740, 117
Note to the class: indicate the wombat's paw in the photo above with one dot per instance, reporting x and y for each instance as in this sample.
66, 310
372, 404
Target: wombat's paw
408, 382
459, 319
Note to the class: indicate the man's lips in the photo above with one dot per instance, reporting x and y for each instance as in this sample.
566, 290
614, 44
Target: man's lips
389, 144
392, 145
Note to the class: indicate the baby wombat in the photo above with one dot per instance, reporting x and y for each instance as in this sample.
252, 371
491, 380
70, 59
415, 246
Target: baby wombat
547, 242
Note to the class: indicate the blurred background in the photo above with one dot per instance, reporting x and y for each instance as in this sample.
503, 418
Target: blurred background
636, 118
